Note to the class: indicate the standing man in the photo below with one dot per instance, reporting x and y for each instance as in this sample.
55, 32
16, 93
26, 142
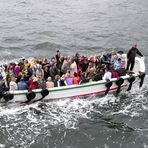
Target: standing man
131, 56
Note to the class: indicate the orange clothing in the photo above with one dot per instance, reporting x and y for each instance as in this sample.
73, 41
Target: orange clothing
76, 80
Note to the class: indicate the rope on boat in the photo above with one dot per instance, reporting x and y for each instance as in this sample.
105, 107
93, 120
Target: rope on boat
131, 79
119, 82
108, 85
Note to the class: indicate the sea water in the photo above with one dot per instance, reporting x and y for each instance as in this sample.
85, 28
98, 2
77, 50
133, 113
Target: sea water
38, 28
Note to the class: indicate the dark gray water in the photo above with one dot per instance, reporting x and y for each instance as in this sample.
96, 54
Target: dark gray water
38, 28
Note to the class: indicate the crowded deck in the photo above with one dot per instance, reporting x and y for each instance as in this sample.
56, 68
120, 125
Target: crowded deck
61, 71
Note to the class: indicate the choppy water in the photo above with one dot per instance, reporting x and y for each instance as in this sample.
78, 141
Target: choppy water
38, 28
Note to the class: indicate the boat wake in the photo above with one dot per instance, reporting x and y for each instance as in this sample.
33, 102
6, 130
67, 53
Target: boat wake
46, 120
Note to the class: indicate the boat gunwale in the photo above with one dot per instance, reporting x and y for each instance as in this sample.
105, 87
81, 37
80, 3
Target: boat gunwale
89, 84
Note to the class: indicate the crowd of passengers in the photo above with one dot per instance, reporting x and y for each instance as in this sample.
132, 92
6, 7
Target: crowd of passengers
61, 70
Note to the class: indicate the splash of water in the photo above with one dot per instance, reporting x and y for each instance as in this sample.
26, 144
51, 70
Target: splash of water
41, 118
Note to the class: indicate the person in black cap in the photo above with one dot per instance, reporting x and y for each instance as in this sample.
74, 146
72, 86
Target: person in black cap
131, 56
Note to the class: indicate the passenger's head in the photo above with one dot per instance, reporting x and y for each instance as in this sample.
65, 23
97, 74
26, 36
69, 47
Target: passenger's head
122, 65
57, 77
67, 75
62, 58
34, 79
90, 64
116, 57
134, 45
63, 77
75, 74
41, 77
13, 78
113, 52
49, 79
105, 53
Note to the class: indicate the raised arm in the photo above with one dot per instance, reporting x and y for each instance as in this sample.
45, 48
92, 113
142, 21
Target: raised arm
138, 52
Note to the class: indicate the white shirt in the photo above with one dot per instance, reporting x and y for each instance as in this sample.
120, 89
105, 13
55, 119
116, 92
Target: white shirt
73, 68
107, 76
58, 83
13, 86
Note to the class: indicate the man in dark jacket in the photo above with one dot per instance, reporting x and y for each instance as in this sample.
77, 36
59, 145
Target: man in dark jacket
131, 56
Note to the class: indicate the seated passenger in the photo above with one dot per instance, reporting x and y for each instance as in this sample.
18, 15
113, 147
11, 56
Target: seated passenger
60, 63
122, 56
90, 71
105, 59
22, 85
63, 81
10, 70
84, 65
53, 70
65, 65
69, 79
117, 62
26, 64
76, 79
13, 84
97, 62
49, 83
83, 79
73, 68
33, 83
98, 75
42, 82
57, 81
122, 71
39, 72
17, 70
46, 72
107, 75
26, 74
115, 74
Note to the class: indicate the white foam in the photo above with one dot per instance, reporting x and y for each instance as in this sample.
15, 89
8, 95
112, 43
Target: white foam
68, 111
2, 145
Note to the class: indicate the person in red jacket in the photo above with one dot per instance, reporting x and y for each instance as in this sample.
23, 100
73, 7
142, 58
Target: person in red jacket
76, 79
33, 84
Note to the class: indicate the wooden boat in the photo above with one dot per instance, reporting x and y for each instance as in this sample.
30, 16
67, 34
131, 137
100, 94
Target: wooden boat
90, 88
